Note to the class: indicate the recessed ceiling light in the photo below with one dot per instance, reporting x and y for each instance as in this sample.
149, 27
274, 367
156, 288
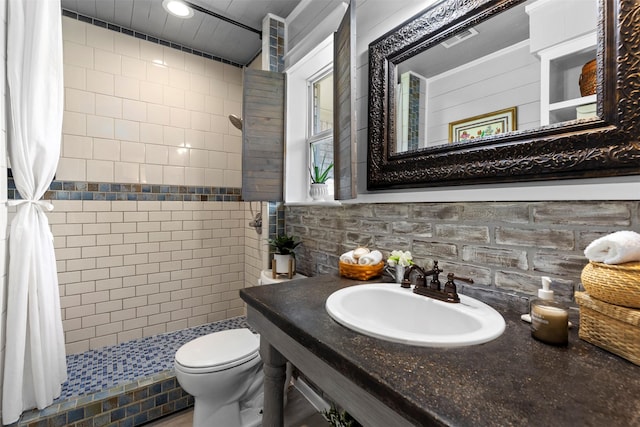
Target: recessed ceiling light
177, 8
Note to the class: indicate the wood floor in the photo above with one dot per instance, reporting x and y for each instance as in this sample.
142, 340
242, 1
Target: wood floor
298, 413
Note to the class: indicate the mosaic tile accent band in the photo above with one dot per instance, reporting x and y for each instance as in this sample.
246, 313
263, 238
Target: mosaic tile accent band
142, 36
82, 190
276, 45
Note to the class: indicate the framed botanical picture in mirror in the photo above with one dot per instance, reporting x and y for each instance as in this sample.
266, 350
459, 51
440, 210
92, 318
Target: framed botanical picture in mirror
488, 124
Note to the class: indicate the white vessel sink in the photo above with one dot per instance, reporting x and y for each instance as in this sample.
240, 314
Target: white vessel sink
391, 313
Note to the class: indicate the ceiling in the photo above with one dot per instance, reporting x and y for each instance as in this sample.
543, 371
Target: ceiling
202, 32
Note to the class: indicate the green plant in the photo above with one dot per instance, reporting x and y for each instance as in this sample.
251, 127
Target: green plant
284, 244
319, 174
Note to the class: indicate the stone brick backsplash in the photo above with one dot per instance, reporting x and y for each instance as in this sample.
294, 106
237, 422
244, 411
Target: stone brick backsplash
504, 246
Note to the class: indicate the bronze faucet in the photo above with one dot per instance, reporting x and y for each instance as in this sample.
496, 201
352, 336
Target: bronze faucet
433, 290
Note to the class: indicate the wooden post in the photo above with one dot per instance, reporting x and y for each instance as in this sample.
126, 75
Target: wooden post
274, 366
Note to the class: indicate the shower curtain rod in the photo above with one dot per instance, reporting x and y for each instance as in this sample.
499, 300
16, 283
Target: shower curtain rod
223, 18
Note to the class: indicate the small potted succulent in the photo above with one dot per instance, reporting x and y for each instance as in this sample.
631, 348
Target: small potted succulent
319, 175
284, 247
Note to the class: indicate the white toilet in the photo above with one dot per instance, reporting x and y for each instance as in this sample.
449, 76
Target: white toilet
223, 372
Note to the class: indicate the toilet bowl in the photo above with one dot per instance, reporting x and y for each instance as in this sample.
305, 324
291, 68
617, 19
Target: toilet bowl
223, 372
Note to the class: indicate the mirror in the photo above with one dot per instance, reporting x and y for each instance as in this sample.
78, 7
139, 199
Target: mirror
506, 90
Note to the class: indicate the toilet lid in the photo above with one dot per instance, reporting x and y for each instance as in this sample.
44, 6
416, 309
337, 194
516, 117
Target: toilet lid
219, 350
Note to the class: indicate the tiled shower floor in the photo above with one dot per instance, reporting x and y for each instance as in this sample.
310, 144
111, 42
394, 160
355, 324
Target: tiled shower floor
101, 369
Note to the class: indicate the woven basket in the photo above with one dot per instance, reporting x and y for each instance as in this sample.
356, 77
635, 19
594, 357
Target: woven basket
587, 80
360, 272
611, 327
617, 284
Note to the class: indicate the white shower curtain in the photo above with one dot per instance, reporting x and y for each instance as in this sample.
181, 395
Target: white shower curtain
35, 365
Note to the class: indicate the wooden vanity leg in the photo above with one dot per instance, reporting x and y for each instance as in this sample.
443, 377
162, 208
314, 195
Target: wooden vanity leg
274, 366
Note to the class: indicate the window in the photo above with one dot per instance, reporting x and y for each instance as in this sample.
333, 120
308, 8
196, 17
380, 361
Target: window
320, 138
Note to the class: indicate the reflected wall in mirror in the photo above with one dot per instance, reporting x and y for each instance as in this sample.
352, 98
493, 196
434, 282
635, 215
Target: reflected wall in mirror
569, 67
529, 57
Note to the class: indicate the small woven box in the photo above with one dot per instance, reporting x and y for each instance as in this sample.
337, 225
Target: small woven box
360, 272
611, 327
617, 284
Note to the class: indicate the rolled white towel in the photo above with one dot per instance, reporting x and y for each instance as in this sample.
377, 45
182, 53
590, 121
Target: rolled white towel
615, 248
372, 258
348, 258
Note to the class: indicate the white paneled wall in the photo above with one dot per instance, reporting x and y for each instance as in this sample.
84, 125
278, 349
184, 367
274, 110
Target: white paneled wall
139, 112
132, 269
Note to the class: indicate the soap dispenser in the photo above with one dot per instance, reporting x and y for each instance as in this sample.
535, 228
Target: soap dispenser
549, 319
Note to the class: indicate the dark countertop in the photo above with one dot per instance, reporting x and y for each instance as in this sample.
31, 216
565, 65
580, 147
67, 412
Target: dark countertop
513, 380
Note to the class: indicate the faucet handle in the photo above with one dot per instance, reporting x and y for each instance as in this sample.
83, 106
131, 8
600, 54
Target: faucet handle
450, 289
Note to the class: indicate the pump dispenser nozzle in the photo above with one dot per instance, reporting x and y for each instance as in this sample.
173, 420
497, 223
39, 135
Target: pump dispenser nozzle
544, 292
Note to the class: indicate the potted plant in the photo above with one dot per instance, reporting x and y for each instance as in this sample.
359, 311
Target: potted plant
319, 175
284, 256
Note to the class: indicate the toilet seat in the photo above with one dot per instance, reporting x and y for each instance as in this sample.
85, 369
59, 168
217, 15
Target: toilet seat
218, 351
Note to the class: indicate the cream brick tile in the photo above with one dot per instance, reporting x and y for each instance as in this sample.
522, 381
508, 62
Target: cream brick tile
157, 73
74, 123
135, 323
97, 319
181, 235
154, 330
109, 106
75, 77
124, 271
164, 215
159, 298
77, 54
173, 97
195, 138
77, 146
134, 68
69, 301
157, 154
127, 87
146, 227
148, 310
185, 313
195, 101
235, 312
128, 335
138, 301
80, 334
73, 30
106, 149
100, 127
109, 239
205, 122
179, 79
214, 177
158, 277
123, 228
180, 117
134, 110
109, 306
234, 161
169, 266
79, 101
180, 294
174, 58
129, 131
180, 274
202, 253
110, 328
170, 246
136, 238
109, 217
95, 251
100, 82
80, 311
80, 264
198, 320
103, 341
122, 249
150, 289
214, 104
136, 259
151, 52
194, 176
77, 347
96, 205
170, 306
127, 172
191, 303
71, 169
232, 74
194, 64
232, 143
126, 45
151, 174
134, 281
151, 92
147, 247
100, 38
178, 156
232, 178
128, 314
96, 228
173, 175
123, 205
108, 62
109, 261
162, 257
235, 96
151, 133
136, 216
72, 324
147, 268
122, 293
200, 158
67, 230
68, 278
97, 274
173, 136
148, 205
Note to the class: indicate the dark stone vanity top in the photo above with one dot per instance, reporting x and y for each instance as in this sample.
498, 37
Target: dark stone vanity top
513, 380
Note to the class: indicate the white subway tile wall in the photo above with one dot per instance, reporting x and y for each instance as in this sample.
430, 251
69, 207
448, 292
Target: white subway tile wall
4, 260
140, 112
131, 269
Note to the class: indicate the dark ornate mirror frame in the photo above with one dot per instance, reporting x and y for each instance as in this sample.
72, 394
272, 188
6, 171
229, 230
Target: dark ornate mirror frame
607, 146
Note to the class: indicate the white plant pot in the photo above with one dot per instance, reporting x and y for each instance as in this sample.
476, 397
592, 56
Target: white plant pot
282, 263
318, 191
